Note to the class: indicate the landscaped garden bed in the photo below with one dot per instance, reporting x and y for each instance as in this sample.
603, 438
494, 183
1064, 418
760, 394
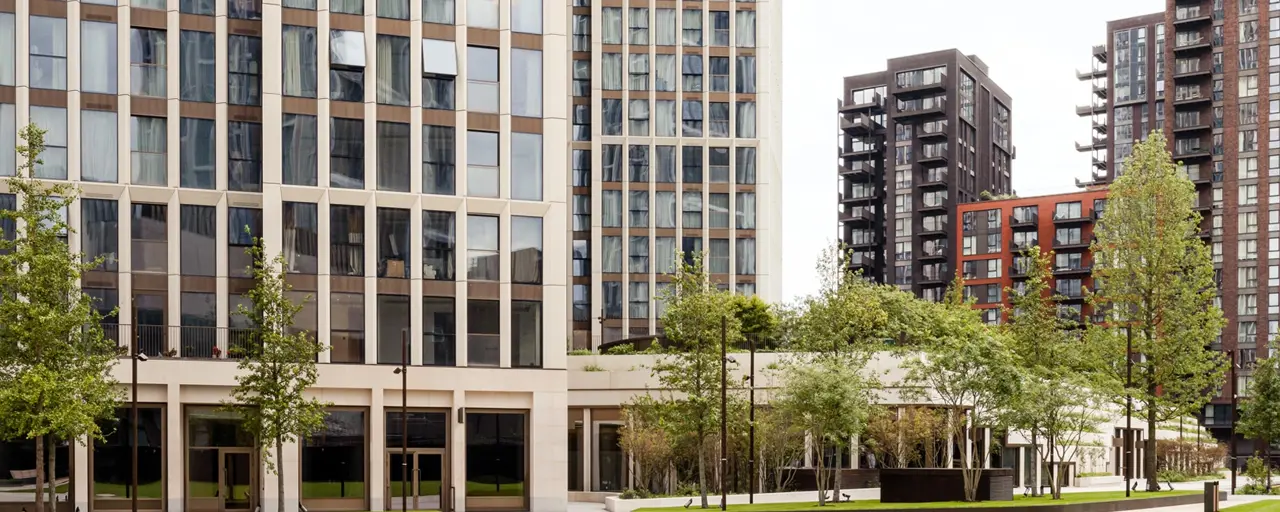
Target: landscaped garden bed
1109, 501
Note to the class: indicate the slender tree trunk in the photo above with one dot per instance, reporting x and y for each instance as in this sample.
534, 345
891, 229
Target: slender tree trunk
280, 476
1035, 489
51, 454
1149, 454
702, 466
835, 485
819, 476
1266, 452
39, 494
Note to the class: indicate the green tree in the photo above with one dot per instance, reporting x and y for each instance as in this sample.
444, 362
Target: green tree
277, 368
1154, 277
697, 315
1260, 412
758, 320
968, 369
55, 363
829, 400
1061, 369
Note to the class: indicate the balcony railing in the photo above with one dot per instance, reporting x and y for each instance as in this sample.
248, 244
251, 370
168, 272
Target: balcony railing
1187, 12
187, 342
1183, 40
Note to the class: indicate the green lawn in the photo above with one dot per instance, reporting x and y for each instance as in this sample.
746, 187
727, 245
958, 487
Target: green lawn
1018, 502
145, 490
1257, 506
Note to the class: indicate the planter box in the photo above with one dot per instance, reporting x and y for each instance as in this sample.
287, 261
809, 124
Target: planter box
849, 479
1094, 481
921, 485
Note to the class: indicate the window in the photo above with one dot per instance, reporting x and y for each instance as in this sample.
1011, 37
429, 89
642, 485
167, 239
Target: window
692, 157
638, 255
244, 229
611, 208
638, 300
611, 162
745, 256
1248, 277
346, 240
582, 78
299, 61
346, 65
664, 254
482, 164
197, 228
611, 254
692, 118
746, 210
638, 22
638, 69
581, 258
1247, 304
148, 150
48, 53
244, 153
1248, 86
612, 117
526, 81
526, 16
244, 9
198, 62
438, 245
1067, 210
664, 207
746, 80
581, 303
346, 328
719, 124
526, 333
638, 118
526, 250
718, 256
691, 206
99, 232
692, 27
393, 243
691, 69
347, 6
664, 21
439, 72
581, 33
1248, 113
300, 149
150, 235
438, 154
496, 449
611, 25
98, 146
1247, 167
438, 11
664, 73
1247, 223
719, 74
8, 48
664, 123
718, 211
393, 156
1248, 194
1248, 140
1248, 58
198, 161
244, 73
483, 256
482, 78
745, 173
638, 168
665, 164
526, 166
581, 167
393, 67
719, 165
301, 237
746, 29
902, 203
1247, 249
97, 57
482, 13
746, 127
346, 153
582, 122
335, 455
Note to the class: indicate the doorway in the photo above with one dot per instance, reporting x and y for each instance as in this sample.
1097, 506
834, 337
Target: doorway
222, 480
416, 481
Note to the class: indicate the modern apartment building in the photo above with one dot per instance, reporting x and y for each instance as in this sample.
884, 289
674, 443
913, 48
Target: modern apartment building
928, 133
407, 157
1209, 67
675, 146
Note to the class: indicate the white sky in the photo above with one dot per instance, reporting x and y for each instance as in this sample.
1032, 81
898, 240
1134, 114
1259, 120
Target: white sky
1032, 47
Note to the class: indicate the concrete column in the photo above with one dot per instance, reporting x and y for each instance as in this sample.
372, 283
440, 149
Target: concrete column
587, 456
175, 452
458, 452
80, 474
855, 450
986, 448
377, 450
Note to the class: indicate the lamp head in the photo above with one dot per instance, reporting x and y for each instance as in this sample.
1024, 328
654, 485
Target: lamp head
141, 357
399, 371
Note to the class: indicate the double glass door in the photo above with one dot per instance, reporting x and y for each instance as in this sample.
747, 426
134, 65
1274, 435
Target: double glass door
222, 480
416, 481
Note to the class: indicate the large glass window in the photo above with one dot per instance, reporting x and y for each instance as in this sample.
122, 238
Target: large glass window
745, 173
746, 81
611, 112
204, 7
53, 162
439, 244
746, 116
346, 328
346, 65
98, 146
611, 254
8, 48
692, 27
718, 211
638, 300
664, 209
746, 210
526, 334
438, 160
393, 328
496, 453
439, 329
198, 52
198, 236
526, 16
394, 9
149, 150
99, 232
198, 158
299, 61
439, 72
393, 243
638, 255
346, 240
97, 57
664, 21
664, 73
745, 256
482, 164
526, 250
526, 166
437, 11
483, 256
482, 78
244, 70
244, 156
484, 333
746, 29
482, 13
718, 125
112, 457
692, 164
150, 235
393, 156
346, 153
393, 69
301, 237
638, 23
149, 62
638, 206
691, 68
244, 9
244, 229
333, 459
526, 81
692, 118
300, 149
48, 52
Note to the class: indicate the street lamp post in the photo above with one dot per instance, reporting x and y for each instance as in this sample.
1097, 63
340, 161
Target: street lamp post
1128, 409
136, 356
1234, 396
724, 400
403, 371
751, 436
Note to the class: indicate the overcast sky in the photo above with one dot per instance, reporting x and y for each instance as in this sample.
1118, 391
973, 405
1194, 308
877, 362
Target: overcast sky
1033, 49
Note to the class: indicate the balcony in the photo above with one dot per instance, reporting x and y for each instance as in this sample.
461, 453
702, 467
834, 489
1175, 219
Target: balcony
1098, 72
1188, 152
934, 178
1191, 15
865, 239
858, 197
1190, 97
933, 129
1100, 90
186, 342
1100, 162
858, 151
936, 229
1019, 271
1017, 247
1076, 270
937, 157
1069, 295
861, 260
1190, 44
921, 107
927, 206
1100, 52
1069, 243
935, 277
859, 124
1069, 218
1188, 73
1098, 143
1088, 110
861, 171
1190, 124
1099, 125
858, 216
876, 103
1028, 220
927, 85
933, 253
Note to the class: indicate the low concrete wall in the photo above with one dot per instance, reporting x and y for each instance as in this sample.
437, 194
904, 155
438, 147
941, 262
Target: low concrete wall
589, 497
1095, 481
615, 504
922, 485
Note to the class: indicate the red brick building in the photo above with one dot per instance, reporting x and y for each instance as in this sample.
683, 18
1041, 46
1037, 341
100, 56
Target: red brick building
993, 234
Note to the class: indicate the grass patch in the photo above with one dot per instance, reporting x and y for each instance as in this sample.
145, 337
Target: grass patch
1018, 502
1257, 506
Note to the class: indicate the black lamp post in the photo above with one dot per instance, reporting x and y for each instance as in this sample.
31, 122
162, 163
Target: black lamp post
1235, 395
724, 419
1128, 409
403, 372
751, 428
135, 356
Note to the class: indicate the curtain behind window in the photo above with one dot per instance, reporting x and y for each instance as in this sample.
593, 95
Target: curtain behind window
611, 254
611, 206
746, 210
611, 71
746, 256
664, 209
664, 27
746, 119
746, 29
664, 254
299, 62
98, 146
393, 70
150, 145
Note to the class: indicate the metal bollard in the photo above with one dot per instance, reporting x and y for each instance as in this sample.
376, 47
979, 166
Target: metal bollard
1211, 496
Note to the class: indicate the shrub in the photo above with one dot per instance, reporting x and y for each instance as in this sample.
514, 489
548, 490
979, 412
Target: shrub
687, 489
1256, 471
580, 352
621, 350
592, 368
1101, 473
635, 494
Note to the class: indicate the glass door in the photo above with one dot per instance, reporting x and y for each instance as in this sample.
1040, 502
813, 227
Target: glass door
430, 476
400, 481
236, 487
